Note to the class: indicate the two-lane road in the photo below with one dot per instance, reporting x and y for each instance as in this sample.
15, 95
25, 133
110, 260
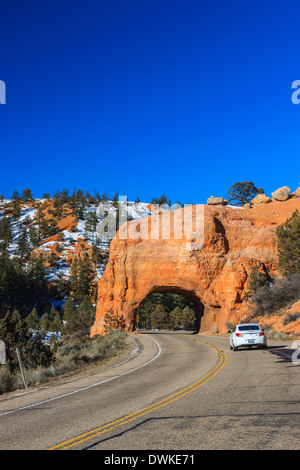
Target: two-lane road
180, 392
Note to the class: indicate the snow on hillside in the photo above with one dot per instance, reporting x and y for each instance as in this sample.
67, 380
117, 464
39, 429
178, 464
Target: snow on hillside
69, 239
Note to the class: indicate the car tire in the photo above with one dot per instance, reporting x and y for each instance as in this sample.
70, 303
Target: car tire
234, 348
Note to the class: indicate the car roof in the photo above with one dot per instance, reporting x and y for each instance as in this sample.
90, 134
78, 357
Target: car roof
248, 324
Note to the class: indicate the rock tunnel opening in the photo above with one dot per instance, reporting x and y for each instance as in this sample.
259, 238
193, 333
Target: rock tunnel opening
169, 308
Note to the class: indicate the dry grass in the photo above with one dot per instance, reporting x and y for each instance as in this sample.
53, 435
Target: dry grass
72, 354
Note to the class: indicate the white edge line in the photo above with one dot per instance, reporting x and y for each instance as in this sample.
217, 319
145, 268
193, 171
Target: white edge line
88, 386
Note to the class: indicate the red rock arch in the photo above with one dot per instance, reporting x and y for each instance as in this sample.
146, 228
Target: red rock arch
215, 273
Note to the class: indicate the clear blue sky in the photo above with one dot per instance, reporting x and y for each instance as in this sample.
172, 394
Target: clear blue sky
145, 97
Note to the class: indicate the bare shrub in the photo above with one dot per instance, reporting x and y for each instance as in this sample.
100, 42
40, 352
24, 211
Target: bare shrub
272, 298
289, 317
71, 354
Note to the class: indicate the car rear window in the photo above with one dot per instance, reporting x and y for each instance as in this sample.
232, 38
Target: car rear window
248, 327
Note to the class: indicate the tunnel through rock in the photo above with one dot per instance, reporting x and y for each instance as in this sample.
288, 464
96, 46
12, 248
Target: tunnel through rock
167, 308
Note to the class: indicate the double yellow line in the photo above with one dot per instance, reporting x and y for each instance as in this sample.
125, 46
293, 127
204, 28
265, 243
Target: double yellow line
131, 417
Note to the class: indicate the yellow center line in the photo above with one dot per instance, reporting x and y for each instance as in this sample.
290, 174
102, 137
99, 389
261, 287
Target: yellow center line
127, 419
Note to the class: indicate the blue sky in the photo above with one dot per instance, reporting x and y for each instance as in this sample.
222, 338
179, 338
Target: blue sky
176, 97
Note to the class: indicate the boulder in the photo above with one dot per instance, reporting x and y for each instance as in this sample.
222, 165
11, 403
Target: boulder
213, 201
261, 199
281, 194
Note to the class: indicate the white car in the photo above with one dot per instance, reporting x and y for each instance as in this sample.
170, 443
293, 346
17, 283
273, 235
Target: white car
247, 334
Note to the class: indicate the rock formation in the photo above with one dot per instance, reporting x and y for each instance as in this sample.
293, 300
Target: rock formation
261, 199
213, 201
158, 254
281, 194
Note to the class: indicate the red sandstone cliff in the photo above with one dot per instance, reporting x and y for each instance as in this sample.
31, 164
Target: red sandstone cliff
214, 276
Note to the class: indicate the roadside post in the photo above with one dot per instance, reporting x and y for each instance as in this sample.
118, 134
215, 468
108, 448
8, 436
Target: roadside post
21, 367
137, 319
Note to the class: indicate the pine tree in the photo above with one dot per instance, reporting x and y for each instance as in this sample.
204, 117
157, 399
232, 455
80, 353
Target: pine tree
33, 235
242, 193
69, 310
23, 244
45, 321
160, 318
17, 211
288, 237
27, 194
15, 196
82, 275
37, 284
91, 221
256, 280
74, 278
86, 312
188, 318
15, 333
33, 320
176, 318
5, 231
55, 324
113, 321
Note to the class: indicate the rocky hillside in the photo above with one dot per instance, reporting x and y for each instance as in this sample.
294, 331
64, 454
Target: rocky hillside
60, 231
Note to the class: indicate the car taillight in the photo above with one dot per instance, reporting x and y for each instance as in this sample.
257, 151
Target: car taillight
239, 335
261, 333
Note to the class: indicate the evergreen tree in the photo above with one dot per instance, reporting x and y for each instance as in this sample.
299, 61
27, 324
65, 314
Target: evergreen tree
5, 232
91, 221
176, 318
86, 312
40, 217
33, 320
16, 209
115, 199
159, 318
55, 324
69, 310
33, 236
27, 195
23, 244
15, 333
113, 321
79, 320
257, 279
188, 318
288, 237
12, 284
82, 276
37, 284
15, 196
45, 321
242, 193
162, 200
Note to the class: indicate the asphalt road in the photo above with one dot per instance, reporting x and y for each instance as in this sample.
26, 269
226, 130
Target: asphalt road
175, 391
